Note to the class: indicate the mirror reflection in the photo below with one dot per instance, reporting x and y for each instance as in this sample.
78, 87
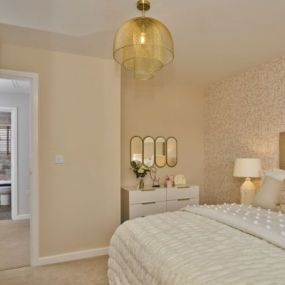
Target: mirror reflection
148, 151
136, 149
160, 151
171, 152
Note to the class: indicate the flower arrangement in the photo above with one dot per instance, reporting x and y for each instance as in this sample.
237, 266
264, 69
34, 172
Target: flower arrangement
139, 169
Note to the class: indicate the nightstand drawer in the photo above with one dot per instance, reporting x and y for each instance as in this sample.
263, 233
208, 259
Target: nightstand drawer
176, 205
148, 208
182, 193
137, 197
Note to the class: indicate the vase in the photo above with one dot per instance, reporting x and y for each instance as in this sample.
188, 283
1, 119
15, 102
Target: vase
141, 183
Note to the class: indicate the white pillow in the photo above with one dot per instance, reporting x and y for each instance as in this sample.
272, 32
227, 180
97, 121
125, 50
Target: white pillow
276, 173
269, 194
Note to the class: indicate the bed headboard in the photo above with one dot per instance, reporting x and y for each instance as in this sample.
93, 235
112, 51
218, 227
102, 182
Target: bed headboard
282, 150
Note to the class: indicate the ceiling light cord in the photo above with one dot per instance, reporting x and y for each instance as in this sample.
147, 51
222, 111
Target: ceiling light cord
143, 11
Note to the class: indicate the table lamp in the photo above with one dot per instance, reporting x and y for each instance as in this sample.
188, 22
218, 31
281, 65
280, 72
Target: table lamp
247, 168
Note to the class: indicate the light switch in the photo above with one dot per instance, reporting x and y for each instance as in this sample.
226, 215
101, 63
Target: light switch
59, 159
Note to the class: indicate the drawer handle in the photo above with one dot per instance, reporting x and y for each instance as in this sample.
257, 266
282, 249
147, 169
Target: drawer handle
183, 199
148, 203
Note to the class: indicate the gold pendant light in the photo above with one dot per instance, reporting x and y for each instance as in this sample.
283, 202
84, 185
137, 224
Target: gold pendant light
143, 45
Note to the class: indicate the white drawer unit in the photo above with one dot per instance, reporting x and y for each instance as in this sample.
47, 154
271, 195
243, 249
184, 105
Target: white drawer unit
136, 197
147, 208
178, 198
175, 205
182, 193
137, 203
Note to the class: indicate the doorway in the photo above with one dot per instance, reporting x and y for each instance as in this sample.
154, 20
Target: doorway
18, 169
8, 161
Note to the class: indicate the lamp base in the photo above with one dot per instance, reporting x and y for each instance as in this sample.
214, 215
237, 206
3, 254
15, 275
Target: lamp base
247, 191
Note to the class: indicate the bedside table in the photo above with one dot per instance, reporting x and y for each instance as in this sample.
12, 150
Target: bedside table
136, 203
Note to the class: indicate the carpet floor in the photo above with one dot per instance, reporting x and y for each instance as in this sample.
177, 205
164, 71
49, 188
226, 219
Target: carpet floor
14, 244
91, 271
5, 213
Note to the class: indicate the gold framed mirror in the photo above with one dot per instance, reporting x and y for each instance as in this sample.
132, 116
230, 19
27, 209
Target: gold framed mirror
160, 151
171, 151
136, 149
148, 151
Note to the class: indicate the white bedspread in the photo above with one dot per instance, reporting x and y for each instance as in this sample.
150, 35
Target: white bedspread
196, 246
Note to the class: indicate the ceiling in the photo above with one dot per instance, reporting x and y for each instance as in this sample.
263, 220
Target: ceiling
213, 38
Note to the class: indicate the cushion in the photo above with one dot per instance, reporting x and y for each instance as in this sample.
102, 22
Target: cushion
270, 193
276, 173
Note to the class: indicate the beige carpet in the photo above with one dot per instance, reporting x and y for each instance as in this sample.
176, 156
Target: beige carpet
5, 213
84, 272
14, 244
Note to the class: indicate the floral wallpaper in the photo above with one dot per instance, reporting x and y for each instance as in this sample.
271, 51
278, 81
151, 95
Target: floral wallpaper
244, 115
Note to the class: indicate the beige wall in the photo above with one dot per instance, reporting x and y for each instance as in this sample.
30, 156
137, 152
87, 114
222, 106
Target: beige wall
79, 117
162, 107
244, 115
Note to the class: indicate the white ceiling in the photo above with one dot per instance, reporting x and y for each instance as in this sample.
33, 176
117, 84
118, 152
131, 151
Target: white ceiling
213, 38
9, 86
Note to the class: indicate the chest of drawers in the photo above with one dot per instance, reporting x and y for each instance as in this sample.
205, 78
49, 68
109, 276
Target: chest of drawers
136, 203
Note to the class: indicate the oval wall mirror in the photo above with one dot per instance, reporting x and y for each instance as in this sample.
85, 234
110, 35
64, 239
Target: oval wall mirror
171, 152
136, 149
160, 152
148, 151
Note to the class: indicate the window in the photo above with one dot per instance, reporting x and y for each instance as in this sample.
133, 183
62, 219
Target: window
5, 140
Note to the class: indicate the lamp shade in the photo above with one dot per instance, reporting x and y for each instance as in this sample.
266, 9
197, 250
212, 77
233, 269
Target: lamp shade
143, 45
247, 167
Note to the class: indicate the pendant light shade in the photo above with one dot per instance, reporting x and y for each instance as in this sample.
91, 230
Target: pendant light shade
143, 45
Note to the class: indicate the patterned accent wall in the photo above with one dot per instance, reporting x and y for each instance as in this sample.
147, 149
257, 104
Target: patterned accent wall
244, 115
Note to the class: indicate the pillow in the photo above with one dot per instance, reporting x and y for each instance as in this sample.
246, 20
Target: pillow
276, 173
270, 193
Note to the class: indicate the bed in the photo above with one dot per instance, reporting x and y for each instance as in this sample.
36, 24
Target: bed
222, 244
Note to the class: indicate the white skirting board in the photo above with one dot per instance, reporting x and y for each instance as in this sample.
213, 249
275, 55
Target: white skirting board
22, 217
70, 256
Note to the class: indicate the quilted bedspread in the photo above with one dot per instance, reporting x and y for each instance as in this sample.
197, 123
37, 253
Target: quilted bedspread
224, 244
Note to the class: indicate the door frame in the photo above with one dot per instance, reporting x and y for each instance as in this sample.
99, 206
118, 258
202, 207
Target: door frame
14, 161
34, 157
